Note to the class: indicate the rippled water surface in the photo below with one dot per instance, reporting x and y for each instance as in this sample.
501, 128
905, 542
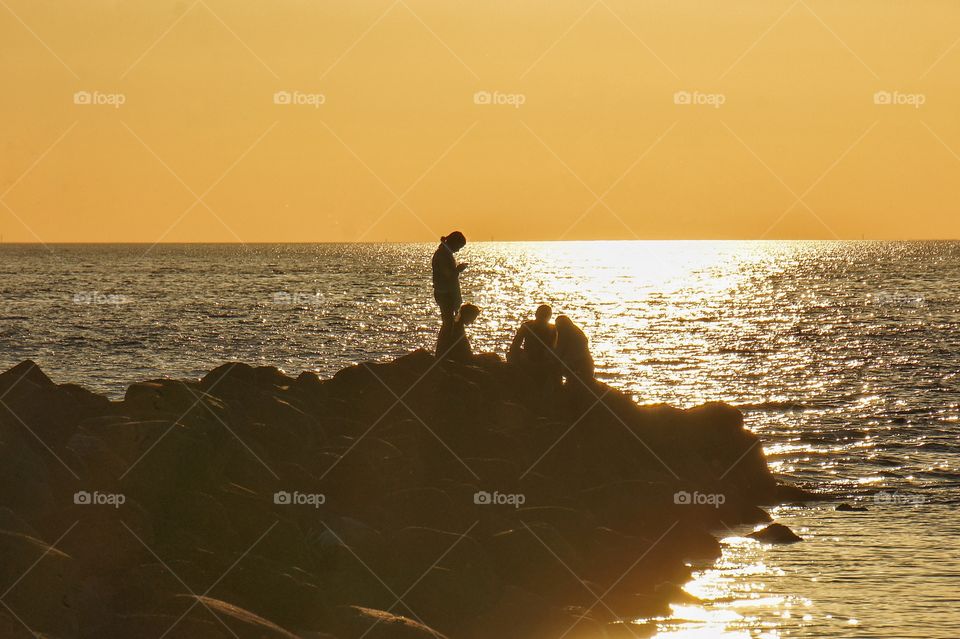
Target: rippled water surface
844, 356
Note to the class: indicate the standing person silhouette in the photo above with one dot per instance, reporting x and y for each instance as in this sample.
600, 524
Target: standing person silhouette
446, 276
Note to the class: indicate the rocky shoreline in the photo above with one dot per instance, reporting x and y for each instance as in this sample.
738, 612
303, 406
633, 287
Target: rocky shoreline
413, 498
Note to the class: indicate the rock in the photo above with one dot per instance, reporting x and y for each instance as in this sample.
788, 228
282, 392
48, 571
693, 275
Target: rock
41, 582
775, 534
850, 508
675, 593
425, 507
535, 557
25, 478
198, 625
210, 471
356, 621
517, 614
26, 372
787, 493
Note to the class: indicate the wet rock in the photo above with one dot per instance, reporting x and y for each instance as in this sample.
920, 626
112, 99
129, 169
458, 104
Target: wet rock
775, 534
851, 508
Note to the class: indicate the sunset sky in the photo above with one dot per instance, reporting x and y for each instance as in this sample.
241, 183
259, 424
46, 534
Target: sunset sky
508, 120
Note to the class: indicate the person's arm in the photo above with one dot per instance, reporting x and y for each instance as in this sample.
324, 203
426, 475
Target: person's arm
446, 266
518, 339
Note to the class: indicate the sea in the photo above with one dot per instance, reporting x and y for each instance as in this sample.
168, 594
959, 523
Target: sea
843, 356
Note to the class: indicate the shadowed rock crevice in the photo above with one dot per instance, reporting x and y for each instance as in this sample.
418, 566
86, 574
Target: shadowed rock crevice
405, 499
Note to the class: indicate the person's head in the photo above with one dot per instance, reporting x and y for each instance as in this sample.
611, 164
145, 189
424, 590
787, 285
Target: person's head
468, 314
565, 325
544, 313
455, 241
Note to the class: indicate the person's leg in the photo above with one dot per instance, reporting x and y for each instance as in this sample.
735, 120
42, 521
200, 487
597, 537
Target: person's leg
448, 308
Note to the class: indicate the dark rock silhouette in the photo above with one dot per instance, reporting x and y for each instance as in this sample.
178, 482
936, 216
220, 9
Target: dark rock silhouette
851, 508
775, 534
413, 498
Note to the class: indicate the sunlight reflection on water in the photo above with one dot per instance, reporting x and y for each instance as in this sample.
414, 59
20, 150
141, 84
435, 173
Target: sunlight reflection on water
843, 357
734, 593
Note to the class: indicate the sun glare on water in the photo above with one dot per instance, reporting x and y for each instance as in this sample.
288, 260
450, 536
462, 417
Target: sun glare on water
734, 599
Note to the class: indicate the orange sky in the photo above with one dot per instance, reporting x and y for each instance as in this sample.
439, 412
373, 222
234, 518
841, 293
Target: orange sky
783, 136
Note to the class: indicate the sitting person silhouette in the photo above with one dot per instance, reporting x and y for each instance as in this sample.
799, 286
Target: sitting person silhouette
534, 340
452, 342
446, 276
573, 351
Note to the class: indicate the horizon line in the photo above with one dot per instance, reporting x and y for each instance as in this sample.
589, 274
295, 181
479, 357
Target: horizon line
486, 241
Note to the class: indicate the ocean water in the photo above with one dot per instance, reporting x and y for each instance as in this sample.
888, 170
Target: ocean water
844, 356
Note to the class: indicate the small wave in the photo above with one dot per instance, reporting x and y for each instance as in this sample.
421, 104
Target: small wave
777, 407
886, 461
938, 474
937, 447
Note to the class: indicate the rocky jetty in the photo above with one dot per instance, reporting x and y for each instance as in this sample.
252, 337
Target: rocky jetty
408, 499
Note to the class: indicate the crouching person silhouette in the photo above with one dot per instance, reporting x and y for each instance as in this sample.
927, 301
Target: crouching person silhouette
573, 351
532, 349
452, 342
534, 339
